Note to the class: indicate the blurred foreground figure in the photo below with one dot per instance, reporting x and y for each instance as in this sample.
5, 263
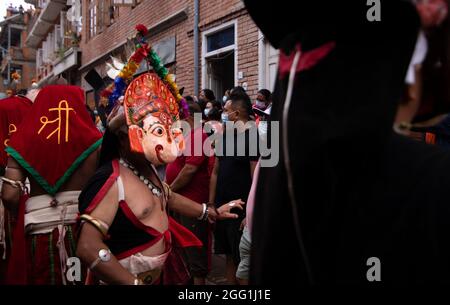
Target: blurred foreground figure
348, 193
55, 147
12, 111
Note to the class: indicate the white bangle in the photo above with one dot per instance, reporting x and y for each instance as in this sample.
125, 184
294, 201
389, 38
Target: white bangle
203, 212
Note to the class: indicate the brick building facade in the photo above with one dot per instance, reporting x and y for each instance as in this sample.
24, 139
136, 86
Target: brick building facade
230, 46
15, 56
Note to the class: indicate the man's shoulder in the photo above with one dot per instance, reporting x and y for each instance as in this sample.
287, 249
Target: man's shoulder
95, 184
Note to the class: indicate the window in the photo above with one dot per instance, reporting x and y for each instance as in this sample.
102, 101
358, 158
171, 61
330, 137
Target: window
110, 13
92, 19
73, 15
49, 51
113, 12
102, 13
220, 39
58, 37
42, 3
219, 57
124, 2
39, 62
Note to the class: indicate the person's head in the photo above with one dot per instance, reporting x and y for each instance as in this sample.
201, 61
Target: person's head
237, 90
237, 108
263, 99
210, 106
225, 97
214, 114
189, 99
193, 109
150, 120
217, 104
202, 104
207, 95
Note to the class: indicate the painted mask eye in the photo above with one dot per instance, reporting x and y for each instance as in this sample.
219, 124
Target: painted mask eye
176, 132
158, 131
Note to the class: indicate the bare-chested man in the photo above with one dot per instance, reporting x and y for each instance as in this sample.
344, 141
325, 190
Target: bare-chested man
127, 236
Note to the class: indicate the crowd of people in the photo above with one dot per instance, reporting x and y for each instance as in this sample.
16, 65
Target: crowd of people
146, 187
75, 182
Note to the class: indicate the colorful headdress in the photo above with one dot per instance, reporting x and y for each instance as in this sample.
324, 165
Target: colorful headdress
143, 52
148, 94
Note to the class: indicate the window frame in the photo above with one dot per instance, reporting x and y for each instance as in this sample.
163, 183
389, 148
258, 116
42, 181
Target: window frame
120, 3
233, 47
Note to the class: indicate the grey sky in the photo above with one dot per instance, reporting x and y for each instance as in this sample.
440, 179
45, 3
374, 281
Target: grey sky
5, 3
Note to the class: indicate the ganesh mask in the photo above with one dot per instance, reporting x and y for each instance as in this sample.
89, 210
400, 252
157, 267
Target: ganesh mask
150, 111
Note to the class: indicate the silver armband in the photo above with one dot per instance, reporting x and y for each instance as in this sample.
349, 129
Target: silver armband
104, 255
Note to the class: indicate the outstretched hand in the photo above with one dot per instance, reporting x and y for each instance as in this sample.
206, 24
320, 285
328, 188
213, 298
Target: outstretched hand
225, 210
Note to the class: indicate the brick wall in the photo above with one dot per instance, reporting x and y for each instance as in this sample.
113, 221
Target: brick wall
29, 55
150, 12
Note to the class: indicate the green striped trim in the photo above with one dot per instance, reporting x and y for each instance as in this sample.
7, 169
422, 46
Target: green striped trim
53, 189
52, 259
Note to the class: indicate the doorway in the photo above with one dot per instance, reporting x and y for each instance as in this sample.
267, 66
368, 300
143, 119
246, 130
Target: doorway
220, 73
219, 62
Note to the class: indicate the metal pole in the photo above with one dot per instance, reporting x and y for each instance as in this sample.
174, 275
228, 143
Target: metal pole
9, 60
196, 46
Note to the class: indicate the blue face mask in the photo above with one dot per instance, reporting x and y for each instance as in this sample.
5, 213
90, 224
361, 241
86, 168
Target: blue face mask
206, 111
224, 117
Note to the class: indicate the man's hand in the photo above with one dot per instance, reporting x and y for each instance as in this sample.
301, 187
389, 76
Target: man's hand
224, 210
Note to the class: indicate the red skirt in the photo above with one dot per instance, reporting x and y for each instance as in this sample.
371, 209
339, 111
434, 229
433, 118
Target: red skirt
43, 262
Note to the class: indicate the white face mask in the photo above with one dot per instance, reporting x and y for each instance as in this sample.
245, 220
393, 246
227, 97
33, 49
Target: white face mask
224, 117
224, 98
206, 111
262, 130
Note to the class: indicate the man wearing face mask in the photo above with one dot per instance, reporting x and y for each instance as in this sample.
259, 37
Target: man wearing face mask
188, 175
236, 158
243, 271
263, 99
263, 117
210, 106
263, 102
206, 96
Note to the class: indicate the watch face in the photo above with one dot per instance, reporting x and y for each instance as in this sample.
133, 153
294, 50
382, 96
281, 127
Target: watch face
104, 255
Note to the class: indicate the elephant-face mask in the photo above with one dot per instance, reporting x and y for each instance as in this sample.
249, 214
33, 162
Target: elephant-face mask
151, 110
